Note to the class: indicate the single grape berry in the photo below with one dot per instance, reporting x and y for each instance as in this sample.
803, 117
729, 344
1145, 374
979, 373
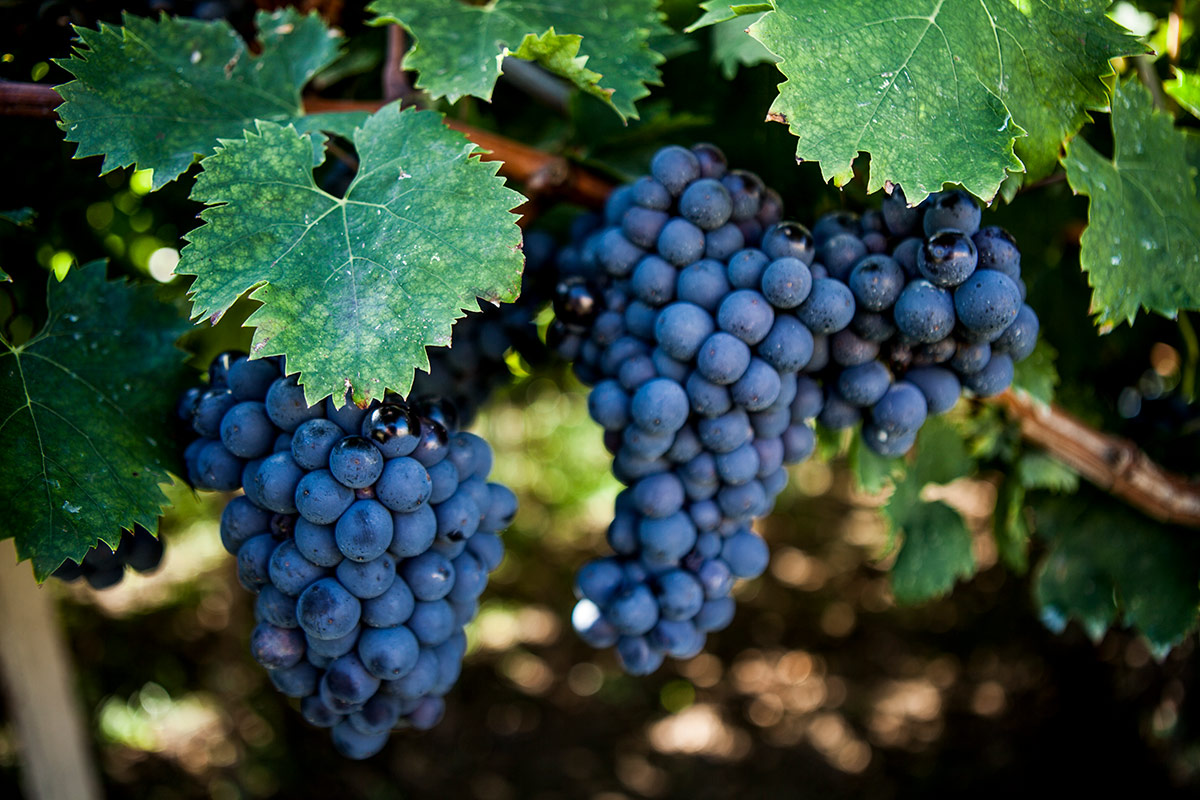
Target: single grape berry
393, 428
947, 259
355, 462
788, 240
576, 303
954, 210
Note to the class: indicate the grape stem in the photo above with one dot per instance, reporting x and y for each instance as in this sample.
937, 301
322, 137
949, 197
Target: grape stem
1114, 464
395, 80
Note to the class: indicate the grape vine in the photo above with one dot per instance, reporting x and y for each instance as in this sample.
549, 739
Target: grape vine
354, 215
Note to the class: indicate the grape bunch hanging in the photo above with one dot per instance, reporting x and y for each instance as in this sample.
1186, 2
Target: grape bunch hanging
366, 534
712, 333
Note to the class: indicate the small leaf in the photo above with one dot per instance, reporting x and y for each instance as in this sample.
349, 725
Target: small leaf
1037, 374
941, 454
733, 47
157, 93
1185, 89
459, 47
1010, 528
831, 443
1109, 565
937, 551
88, 411
966, 81
872, 472
1141, 248
718, 11
1040, 471
353, 289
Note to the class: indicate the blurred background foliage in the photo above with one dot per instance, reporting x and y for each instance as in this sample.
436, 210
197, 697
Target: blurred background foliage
822, 687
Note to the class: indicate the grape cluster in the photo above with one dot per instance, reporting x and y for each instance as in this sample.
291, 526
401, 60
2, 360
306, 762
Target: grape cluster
102, 568
688, 312
366, 534
712, 334
473, 366
938, 305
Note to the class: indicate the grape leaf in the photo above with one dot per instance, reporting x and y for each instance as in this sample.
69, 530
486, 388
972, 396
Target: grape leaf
459, 47
1109, 565
936, 549
941, 455
1009, 526
1185, 89
1037, 375
86, 416
354, 288
1141, 248
718, 11
155, 93
939, 91
872, 472
1040, 471
733, 47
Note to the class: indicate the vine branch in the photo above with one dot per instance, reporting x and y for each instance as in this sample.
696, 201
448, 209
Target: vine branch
394, 78
27, 100
1112, 463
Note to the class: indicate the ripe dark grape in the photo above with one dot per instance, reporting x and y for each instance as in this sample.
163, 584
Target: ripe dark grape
102, 568
788, 240
695, 366
676, 389
998, 250
923, 312
947, 259
987, 304
706, 203
899, 218
840, 253
393, 428
675, 167
954, 210
829, 307
367, 552
786, 282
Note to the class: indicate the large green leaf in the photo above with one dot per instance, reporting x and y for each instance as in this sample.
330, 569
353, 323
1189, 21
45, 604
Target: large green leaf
601, 47
354, 288
86, 414
156, 93
939, 91
1109, 565
1141, 248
